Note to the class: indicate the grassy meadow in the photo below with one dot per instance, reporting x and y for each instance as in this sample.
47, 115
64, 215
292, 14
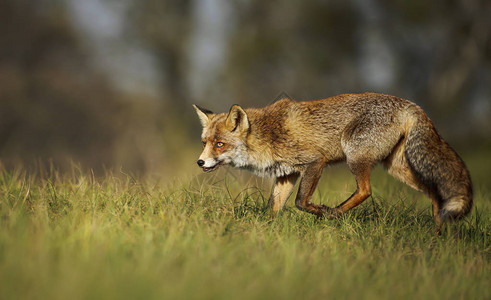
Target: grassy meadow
75, 236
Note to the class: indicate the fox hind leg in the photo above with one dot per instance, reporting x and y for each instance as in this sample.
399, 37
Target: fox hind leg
363, 189
397, 166
436, 215
365, 141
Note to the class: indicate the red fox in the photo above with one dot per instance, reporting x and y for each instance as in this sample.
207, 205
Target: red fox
289, 140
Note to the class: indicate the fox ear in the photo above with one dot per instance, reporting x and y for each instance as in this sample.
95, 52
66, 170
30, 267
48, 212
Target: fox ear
203, 115
237, 119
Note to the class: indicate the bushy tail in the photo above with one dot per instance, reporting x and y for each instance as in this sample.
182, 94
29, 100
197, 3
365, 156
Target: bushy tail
439, 168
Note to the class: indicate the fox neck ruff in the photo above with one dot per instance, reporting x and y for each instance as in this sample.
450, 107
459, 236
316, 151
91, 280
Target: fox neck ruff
261, 163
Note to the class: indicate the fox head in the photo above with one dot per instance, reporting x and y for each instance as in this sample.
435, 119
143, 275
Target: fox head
224, 138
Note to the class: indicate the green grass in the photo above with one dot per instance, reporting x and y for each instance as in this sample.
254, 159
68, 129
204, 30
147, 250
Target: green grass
78, 237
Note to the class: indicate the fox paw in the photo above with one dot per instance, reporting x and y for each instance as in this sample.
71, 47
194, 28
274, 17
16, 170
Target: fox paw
324, 211
332, 213
328, 212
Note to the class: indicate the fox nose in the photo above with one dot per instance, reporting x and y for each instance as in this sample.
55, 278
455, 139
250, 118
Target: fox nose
200, 162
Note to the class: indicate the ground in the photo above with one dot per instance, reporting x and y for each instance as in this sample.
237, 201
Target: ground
211, 237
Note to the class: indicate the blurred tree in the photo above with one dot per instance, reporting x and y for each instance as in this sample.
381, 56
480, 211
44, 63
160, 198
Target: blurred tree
434, 53
163, 27
443, 49
56, 103
305, 48
54, 106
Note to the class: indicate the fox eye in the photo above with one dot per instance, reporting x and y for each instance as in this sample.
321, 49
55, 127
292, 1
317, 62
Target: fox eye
204, 143
219, 144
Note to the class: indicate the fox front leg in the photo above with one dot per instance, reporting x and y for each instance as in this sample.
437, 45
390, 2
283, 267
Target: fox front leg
309, 181
282, 189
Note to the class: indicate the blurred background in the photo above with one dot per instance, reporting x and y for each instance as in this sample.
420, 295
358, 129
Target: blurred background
108, 84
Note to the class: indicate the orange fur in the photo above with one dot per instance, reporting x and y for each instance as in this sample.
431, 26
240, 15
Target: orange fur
290, 140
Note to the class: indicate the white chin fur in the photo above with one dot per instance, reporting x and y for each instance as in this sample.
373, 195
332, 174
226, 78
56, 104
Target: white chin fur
210, 163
